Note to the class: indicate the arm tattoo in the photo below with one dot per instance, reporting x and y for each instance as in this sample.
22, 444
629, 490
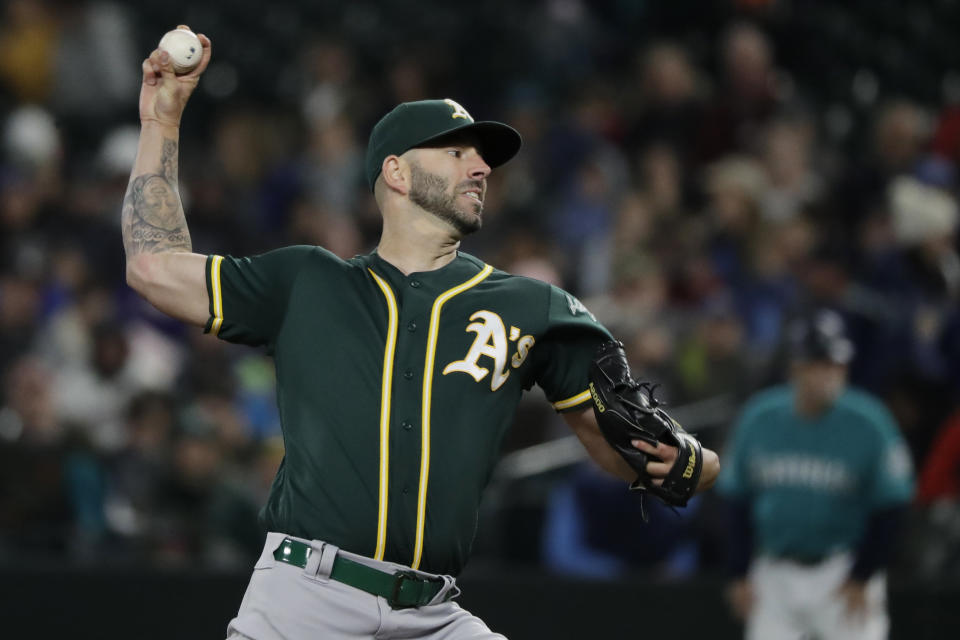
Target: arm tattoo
152, 220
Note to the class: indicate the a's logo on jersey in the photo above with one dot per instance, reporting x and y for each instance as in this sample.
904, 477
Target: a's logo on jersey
577, 307
491, 342
458, 110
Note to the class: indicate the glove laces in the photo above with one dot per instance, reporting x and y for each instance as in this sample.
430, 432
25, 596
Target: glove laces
648, 389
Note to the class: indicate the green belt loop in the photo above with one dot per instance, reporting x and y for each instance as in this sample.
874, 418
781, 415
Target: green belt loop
402, 589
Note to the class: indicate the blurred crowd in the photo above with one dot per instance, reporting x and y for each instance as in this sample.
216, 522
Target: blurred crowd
696, 181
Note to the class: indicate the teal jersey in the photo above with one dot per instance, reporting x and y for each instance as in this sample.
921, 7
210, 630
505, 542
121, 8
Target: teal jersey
812, 483
395, 390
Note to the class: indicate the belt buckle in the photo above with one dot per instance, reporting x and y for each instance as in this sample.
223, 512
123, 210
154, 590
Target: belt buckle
287, 553
394, 599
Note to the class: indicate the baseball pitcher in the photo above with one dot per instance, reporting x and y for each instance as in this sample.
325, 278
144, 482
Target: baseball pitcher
398, 373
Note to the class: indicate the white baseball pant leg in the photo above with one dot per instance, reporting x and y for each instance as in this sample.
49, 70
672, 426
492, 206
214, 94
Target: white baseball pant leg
796, 602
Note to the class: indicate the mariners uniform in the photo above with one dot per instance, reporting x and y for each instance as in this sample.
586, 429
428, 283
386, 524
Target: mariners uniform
811, 485
394, 393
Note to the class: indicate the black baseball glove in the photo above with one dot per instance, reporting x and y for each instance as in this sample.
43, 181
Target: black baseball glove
626, 411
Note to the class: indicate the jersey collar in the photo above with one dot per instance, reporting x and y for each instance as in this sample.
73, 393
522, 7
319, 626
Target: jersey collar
461, 268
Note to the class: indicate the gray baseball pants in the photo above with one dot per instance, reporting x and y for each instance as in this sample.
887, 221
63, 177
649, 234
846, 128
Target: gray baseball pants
285, 602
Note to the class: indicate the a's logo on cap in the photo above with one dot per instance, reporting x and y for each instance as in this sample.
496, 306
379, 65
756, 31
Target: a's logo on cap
458, 110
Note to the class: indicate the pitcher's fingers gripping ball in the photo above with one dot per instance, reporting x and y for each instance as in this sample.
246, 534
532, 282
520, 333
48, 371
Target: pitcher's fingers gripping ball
626, 411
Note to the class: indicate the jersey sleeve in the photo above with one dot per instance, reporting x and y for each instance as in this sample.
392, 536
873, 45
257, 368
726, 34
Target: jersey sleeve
893, 476
249, 296
568, 347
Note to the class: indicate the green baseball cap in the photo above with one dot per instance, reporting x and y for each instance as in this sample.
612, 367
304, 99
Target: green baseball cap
414, 124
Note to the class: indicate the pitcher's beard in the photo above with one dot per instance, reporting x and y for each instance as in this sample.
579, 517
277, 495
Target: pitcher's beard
432, 194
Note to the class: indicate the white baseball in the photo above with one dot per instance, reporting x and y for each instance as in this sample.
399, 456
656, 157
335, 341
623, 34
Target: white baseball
184, 49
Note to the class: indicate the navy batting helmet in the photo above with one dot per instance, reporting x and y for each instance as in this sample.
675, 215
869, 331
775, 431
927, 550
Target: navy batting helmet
820, 335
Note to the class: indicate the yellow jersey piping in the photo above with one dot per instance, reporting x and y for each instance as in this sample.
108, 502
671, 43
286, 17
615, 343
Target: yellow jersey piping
216, 291
572, 401
386, 385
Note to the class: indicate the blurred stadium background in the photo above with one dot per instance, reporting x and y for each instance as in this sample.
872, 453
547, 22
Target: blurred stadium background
696, 172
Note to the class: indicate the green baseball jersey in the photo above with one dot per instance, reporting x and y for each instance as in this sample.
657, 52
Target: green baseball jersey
812, 483
395, 390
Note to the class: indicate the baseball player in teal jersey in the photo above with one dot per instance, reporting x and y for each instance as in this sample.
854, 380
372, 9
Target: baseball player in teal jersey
818, 476
397, 372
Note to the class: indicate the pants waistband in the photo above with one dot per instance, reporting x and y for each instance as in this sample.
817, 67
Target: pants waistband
402, 587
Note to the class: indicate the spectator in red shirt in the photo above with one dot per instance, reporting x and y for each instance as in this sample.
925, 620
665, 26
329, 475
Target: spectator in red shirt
940, 473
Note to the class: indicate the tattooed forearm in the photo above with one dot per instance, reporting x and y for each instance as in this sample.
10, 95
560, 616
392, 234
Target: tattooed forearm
169, 160
152, 220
